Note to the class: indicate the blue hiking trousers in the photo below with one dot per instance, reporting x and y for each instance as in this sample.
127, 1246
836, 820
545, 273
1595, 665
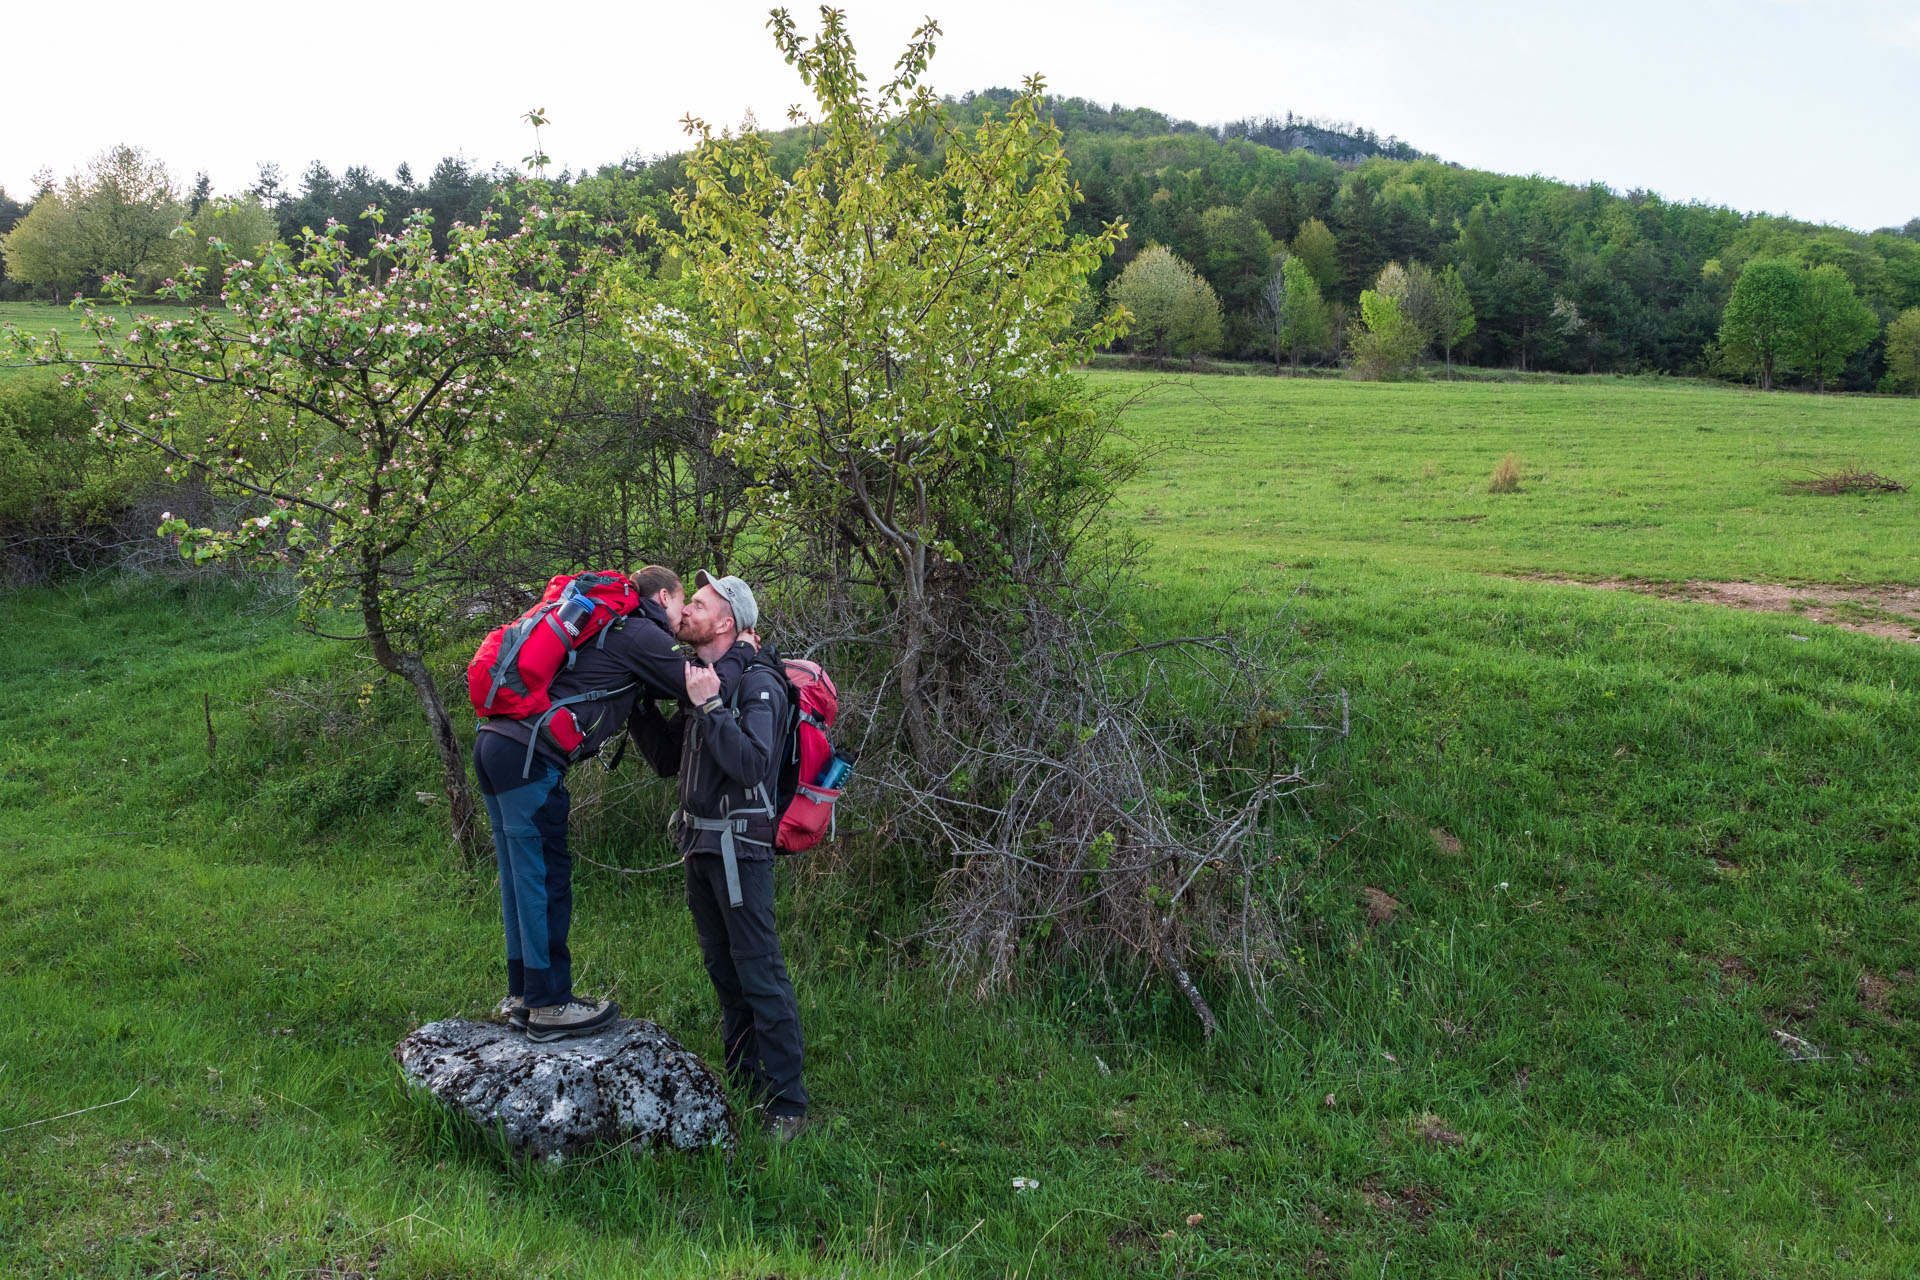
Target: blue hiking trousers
529, 817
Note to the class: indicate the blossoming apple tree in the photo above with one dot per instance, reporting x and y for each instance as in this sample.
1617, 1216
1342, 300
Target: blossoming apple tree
377, 414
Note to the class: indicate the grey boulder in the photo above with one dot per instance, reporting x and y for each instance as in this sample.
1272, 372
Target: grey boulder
629, 1084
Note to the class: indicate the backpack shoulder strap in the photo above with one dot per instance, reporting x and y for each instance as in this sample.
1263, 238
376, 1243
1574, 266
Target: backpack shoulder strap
766, 660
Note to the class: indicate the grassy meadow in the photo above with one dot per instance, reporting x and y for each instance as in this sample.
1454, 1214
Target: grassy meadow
1628, 843
41, 317
34, 316
1654, 478
38, 318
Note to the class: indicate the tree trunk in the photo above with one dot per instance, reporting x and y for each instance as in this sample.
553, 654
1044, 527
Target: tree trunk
913, 694
446, 743
413, 668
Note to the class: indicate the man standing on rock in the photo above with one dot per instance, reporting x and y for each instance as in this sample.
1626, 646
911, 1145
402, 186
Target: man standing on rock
527, 803
726, 743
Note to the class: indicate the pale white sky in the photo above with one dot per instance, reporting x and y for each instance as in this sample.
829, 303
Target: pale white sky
1805, 107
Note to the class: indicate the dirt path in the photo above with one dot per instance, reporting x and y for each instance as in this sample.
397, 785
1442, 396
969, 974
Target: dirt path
1892, 610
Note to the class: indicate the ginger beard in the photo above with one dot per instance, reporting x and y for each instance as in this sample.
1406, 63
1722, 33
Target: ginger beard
703, 619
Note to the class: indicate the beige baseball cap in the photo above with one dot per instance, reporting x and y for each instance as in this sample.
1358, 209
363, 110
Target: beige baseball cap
737, 594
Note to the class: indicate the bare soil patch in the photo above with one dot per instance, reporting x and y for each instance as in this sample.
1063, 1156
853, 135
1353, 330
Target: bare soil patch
1876, 992
1890, 610
1436, 1132
1414, 1202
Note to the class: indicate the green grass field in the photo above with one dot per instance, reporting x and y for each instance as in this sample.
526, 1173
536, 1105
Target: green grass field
1618, 477
32, 315
1629, 841
37, 318
40, 317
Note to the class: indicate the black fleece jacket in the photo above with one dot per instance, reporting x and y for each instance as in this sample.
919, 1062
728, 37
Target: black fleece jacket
639, 653
724, 757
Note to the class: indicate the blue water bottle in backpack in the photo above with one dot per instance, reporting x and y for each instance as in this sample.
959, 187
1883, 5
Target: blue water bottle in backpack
835, 773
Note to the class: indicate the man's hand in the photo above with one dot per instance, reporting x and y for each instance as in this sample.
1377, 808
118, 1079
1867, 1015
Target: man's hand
703, 684
751, 636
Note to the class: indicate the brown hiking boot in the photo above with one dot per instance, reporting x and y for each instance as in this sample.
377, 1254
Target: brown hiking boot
783, 1129
574, 1018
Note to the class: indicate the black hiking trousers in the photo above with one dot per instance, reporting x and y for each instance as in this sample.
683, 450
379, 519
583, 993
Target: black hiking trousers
759, 1017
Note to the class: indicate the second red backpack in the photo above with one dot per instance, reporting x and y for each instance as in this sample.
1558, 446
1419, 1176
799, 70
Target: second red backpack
807, 816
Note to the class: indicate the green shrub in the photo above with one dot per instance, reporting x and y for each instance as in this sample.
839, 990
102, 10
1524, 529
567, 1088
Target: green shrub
63, 493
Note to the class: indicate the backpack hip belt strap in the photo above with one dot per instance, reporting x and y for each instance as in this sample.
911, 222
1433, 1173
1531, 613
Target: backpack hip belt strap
591, 695
733, 829
732, 832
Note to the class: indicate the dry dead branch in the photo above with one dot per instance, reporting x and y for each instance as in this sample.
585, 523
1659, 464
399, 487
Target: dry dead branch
1847, 480
1095, 798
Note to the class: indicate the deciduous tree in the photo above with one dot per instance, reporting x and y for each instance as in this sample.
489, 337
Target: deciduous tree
1903, 351
1385, 341
42, 248
886, 338
372, 408
1415, 291
1171, 310
115, 216
1314, 245
1834, 324
1762, 319
1198, 327
1453, 317
125, 206
1273, 304
880, 338
1422, 303
1309, 325
225, 229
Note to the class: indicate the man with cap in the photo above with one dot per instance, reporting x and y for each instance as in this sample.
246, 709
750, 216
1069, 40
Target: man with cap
725, 743
522, 774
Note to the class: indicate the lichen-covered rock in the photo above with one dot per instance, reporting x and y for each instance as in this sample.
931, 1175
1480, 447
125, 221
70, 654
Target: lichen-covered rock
631, 1083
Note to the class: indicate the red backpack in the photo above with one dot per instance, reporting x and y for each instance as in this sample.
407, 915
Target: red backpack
806, 813
811, 773
511, 673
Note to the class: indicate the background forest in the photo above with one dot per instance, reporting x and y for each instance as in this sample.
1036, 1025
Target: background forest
1546, 275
